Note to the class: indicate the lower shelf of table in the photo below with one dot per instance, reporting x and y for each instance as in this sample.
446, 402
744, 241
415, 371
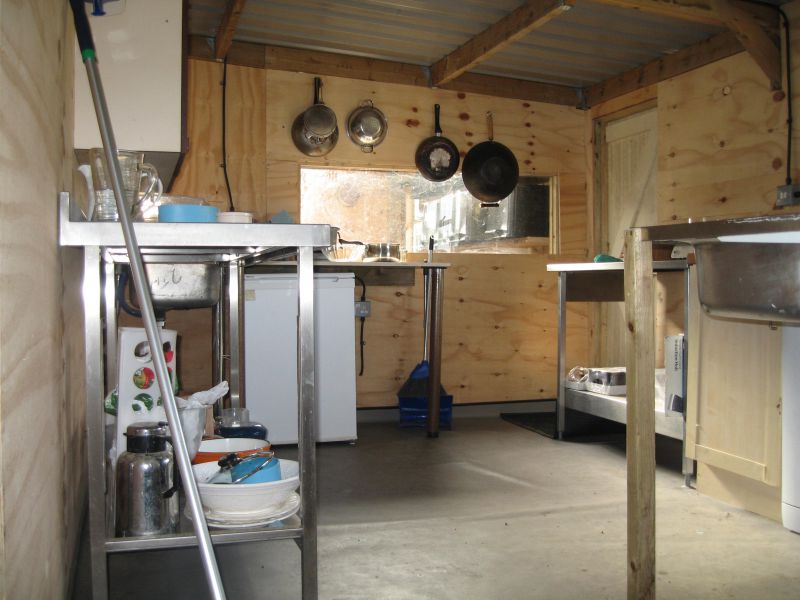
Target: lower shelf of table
614, 408
289, 528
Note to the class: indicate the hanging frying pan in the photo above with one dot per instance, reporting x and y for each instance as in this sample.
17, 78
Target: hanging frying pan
437, 157
490, 169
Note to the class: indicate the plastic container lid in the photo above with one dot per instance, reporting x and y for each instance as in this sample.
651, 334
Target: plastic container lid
235, 217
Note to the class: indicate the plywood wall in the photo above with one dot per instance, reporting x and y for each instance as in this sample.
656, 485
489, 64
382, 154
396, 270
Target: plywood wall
499, 322
42, 444
721, 142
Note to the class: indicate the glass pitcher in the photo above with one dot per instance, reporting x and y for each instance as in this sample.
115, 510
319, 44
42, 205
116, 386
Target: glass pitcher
102, 205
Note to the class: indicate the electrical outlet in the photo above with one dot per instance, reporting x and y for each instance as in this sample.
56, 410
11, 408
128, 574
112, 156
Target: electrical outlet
788, 195
363, 309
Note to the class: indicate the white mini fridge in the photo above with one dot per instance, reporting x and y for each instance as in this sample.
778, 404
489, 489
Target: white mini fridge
270, 312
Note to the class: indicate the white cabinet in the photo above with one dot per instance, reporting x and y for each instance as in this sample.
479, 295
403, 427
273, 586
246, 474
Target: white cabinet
139, 55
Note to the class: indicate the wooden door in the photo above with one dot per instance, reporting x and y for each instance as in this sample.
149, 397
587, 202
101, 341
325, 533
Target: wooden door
629, 165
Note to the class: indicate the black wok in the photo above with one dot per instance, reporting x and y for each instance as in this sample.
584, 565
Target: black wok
490, 170
437, 157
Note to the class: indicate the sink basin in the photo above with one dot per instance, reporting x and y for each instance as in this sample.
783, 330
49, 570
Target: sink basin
750, 279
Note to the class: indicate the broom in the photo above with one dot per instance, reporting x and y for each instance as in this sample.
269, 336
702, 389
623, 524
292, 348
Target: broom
416, 386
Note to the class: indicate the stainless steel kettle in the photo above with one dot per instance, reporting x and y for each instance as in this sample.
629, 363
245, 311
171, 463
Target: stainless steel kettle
147, 499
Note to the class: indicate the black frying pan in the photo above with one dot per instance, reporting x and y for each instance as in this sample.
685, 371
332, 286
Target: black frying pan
490, 170
437, 157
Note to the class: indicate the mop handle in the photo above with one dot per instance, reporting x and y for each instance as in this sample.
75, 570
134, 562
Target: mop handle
84, 34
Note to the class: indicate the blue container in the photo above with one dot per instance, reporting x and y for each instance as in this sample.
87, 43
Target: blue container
414, 411
268, 472
187, 213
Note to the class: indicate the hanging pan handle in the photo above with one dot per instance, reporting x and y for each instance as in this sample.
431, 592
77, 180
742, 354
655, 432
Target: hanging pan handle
318, 91
437, 129
490, 125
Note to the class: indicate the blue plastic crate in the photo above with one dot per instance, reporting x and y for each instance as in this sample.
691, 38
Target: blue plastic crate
414, 411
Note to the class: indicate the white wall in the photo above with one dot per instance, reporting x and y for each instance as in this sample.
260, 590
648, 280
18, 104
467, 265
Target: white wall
42, 464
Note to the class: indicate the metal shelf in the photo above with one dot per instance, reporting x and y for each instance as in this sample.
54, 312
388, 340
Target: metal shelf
187, 540
230, 246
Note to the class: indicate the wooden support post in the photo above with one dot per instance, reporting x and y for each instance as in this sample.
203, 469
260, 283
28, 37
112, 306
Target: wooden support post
640, 439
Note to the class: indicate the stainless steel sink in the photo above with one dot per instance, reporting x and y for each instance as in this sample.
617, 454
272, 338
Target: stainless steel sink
172, 285
749, 280
747, 268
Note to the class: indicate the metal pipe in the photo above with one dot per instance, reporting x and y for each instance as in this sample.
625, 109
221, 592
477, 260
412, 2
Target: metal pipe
435, 350
145, 302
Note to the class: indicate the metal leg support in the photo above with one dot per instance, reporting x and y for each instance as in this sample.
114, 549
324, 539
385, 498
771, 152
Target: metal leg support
435, 350
93, 347
562, 355
307, 419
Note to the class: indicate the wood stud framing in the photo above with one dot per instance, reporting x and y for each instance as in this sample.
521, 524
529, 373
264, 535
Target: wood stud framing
228, 27
516, 25
751, 28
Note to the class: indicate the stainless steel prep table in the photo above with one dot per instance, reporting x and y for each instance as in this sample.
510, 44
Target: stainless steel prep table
232, 247
599, 282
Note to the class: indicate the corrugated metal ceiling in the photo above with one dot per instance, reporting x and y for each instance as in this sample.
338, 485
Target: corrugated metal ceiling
585, 45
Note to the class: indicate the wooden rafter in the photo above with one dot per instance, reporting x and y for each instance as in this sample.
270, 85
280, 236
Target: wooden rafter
227, 27
385, 71
698, 11
514, 26
716, 48
762, 47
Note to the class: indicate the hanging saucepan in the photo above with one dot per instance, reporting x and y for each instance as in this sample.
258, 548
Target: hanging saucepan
437, 157
490, 170
315, 131
366, 126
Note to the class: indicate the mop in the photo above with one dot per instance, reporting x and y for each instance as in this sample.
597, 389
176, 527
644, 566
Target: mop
86, 43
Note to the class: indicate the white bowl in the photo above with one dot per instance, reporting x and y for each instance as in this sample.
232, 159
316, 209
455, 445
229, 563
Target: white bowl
238, 498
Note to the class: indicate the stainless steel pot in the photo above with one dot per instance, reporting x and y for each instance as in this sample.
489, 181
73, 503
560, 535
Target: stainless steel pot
383, 252
367, 126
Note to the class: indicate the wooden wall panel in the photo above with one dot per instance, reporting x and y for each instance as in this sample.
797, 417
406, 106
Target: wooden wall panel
42, 441
498, 346
546, 139
499, 336
721, 142
201, 174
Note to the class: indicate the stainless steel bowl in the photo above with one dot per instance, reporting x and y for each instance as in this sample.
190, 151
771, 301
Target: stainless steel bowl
366, 126
383, 252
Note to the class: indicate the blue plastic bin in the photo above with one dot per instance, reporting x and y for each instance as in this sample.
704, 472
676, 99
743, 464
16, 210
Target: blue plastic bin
414, 411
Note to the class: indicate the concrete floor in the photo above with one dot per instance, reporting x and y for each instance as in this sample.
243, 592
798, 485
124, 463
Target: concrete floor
487, 510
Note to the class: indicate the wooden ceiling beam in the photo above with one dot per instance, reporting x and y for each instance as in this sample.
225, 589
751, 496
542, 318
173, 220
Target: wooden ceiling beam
514, 26
715, 48
698, 11
762, 45
227, 27
384, 71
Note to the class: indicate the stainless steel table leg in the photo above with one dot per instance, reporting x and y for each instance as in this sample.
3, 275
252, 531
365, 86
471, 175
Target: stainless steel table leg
110, 311
435, 350
235, 292
217, 332
93, 347
307, 419
562, 354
